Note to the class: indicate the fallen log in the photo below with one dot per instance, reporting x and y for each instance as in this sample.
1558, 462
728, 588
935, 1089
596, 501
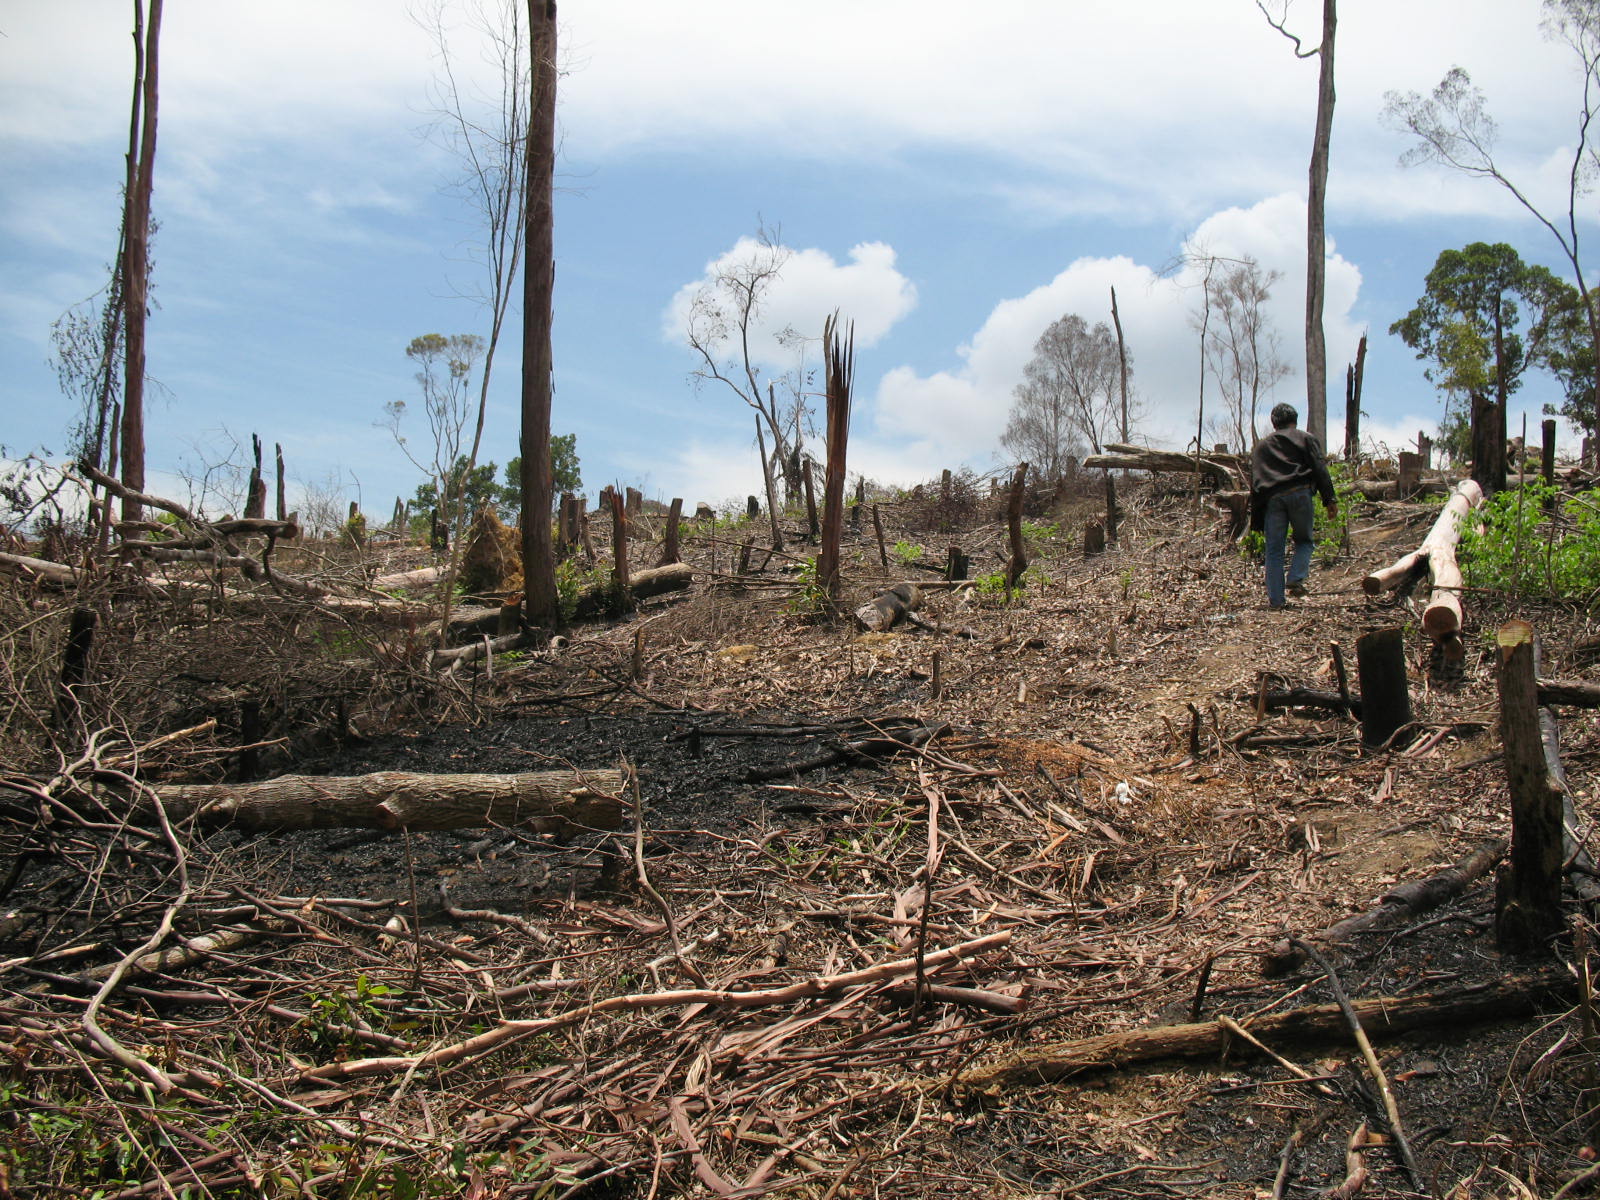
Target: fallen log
1222, 472
39, 569
1399, 905
407, 579
656, 581
397, 800
1494, 1000
1570, 692
1301, 697
1441, 620
889, 608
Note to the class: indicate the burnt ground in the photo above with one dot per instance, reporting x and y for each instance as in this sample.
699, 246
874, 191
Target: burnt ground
1103, 794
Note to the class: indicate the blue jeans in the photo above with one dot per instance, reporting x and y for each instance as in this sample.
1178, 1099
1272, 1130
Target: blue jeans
1289, 512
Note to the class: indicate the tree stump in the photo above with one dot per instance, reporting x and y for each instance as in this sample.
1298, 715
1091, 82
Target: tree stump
1528, 891
1385, 696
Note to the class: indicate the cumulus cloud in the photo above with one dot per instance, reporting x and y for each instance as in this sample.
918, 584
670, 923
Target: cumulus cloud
920, 422
810, 284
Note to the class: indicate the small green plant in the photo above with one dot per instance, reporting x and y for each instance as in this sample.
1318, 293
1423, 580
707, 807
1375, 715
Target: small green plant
1036, 533
812, 598
1333, 533
330, 1014
907, 553
991, 589
572, 580
1253, 545
1533, 541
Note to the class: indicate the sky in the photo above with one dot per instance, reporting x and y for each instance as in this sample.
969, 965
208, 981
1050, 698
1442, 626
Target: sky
951, 177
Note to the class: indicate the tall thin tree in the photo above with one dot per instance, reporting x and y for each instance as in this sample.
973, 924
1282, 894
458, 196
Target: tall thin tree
540, 601
1316, 224
136, 243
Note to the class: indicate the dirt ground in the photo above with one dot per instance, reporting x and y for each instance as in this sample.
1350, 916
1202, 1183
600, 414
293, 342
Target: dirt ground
1101, 805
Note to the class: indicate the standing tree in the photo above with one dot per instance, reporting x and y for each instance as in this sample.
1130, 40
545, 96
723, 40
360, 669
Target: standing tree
1483, 320
1452, 128
1068, 395
1316, 203
444, 374
135, 279
486, 134
540, 601
722, 319
564, 475
1242, 347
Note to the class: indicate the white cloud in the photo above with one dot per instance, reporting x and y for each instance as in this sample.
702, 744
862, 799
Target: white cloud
920, 423
868, 290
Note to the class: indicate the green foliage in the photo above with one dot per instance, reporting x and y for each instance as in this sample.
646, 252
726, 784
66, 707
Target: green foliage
907, 553
1522, 550
1252, 548
991, 589
564, 475
330, 1014
1333, 533
812, 598
572, 581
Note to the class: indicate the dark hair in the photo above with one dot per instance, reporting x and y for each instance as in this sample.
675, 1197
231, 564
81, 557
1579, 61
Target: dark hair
1284, 415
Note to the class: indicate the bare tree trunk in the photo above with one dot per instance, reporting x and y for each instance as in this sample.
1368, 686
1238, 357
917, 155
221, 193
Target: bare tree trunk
283, 505
541, 603
1352, 404
136, 246
1122, 367
771, 487
1316, 235
1018, 562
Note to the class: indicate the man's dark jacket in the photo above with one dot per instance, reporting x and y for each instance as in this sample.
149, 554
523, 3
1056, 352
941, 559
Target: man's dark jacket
1284, 460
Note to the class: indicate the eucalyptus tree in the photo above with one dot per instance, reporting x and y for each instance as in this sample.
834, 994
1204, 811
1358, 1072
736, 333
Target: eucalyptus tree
1452, 127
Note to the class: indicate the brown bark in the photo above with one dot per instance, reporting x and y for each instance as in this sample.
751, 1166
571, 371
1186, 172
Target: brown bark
1019, 555
619, 555
1498, 999
1569, 691
1316, 233
1528, 901
642, 585
541, 602
397, 800
669, 552
136, 247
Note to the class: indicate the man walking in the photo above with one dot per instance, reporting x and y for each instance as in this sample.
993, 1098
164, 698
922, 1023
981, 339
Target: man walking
1286, 466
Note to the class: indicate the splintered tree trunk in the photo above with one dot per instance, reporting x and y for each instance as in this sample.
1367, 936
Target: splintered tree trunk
397, 800
1528, 898
1019, 555
619, 553
841, 356
669, 551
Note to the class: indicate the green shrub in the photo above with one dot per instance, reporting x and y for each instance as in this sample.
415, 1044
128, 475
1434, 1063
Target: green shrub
907, 553
1513, 545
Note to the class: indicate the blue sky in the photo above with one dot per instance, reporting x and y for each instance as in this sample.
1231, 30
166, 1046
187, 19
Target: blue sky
952, 179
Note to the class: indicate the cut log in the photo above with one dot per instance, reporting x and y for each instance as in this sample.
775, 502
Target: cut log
656, 581
1528, 899
407, 579
1220, 472
1400, 905
1441, 620
1569, 691
1498, 999
889, 608
397, 800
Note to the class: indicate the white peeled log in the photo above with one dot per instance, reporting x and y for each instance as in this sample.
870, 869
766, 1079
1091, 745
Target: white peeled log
1441, 619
